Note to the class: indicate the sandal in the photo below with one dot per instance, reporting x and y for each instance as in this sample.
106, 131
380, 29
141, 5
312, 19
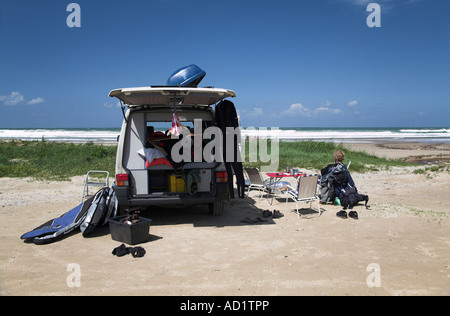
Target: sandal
353, 214
341, 214
277, 214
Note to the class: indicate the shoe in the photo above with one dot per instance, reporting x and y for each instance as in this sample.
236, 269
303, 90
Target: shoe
120, 251
341, 214
137, 252
353, 214
277, 214
266, 213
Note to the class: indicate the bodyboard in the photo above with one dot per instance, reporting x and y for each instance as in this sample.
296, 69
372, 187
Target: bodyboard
56, 228
96, 213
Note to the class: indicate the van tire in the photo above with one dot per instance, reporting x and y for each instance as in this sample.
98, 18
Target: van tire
216, 208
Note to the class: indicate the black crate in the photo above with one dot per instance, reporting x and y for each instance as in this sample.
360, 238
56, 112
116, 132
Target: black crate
130, 234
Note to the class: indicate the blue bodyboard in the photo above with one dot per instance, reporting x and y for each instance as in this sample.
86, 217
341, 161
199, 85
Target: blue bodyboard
55, 224
56, 228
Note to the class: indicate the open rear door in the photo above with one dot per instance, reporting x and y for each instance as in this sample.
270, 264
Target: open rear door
170, 96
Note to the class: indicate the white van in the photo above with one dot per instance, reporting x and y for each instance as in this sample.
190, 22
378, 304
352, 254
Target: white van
148, 115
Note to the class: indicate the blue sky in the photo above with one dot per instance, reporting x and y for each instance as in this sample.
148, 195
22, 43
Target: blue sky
312, 63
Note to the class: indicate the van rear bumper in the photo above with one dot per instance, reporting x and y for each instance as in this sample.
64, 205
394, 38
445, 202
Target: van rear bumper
156, 199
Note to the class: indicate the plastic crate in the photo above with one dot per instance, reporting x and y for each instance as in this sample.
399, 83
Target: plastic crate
130, 234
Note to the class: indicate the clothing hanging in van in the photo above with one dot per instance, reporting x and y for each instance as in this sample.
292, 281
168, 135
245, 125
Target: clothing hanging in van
226, 116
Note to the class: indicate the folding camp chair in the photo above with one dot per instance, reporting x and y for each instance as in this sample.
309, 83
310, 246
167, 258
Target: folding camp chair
255, 180
306, 191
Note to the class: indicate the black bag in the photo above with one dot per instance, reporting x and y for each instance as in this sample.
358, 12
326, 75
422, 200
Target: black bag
350, 197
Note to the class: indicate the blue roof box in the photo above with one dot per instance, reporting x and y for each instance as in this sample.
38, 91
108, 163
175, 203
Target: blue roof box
188, 76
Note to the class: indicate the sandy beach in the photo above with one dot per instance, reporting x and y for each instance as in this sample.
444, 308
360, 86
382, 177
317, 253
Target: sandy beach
400, 246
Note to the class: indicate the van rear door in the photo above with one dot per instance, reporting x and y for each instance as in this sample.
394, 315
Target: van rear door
170, 96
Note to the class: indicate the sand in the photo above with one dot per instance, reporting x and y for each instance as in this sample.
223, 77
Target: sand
400, 246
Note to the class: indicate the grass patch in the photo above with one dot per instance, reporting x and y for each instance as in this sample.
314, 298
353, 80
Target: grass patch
316, 155
431, 172
60, 161
438, 168
54, 161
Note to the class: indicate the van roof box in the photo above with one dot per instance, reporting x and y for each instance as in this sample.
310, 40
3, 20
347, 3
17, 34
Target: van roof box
188, 76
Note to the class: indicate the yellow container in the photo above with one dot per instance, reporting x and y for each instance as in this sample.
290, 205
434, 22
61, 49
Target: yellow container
175, 183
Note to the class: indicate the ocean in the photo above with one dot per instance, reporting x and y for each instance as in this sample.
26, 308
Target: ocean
345, 135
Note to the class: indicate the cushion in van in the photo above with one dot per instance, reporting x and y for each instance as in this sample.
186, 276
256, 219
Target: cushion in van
158, 162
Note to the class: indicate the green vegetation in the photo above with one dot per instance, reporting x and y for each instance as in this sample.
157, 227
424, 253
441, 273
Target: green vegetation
437, 168
431, 171
54, 161
61, 161
316, 155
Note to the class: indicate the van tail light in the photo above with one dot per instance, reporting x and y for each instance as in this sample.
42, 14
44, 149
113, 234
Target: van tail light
221, 177
122, 179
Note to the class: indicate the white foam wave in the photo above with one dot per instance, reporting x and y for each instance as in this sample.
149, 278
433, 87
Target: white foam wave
60, 134
110, 135
421, 131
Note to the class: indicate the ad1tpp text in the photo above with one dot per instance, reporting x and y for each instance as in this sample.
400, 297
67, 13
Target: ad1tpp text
227, 306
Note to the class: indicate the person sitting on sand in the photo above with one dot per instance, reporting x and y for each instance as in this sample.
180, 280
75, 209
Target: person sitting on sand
326, 195
337, 183
339, 157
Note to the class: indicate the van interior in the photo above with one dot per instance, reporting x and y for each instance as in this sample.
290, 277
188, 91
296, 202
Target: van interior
147, 137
